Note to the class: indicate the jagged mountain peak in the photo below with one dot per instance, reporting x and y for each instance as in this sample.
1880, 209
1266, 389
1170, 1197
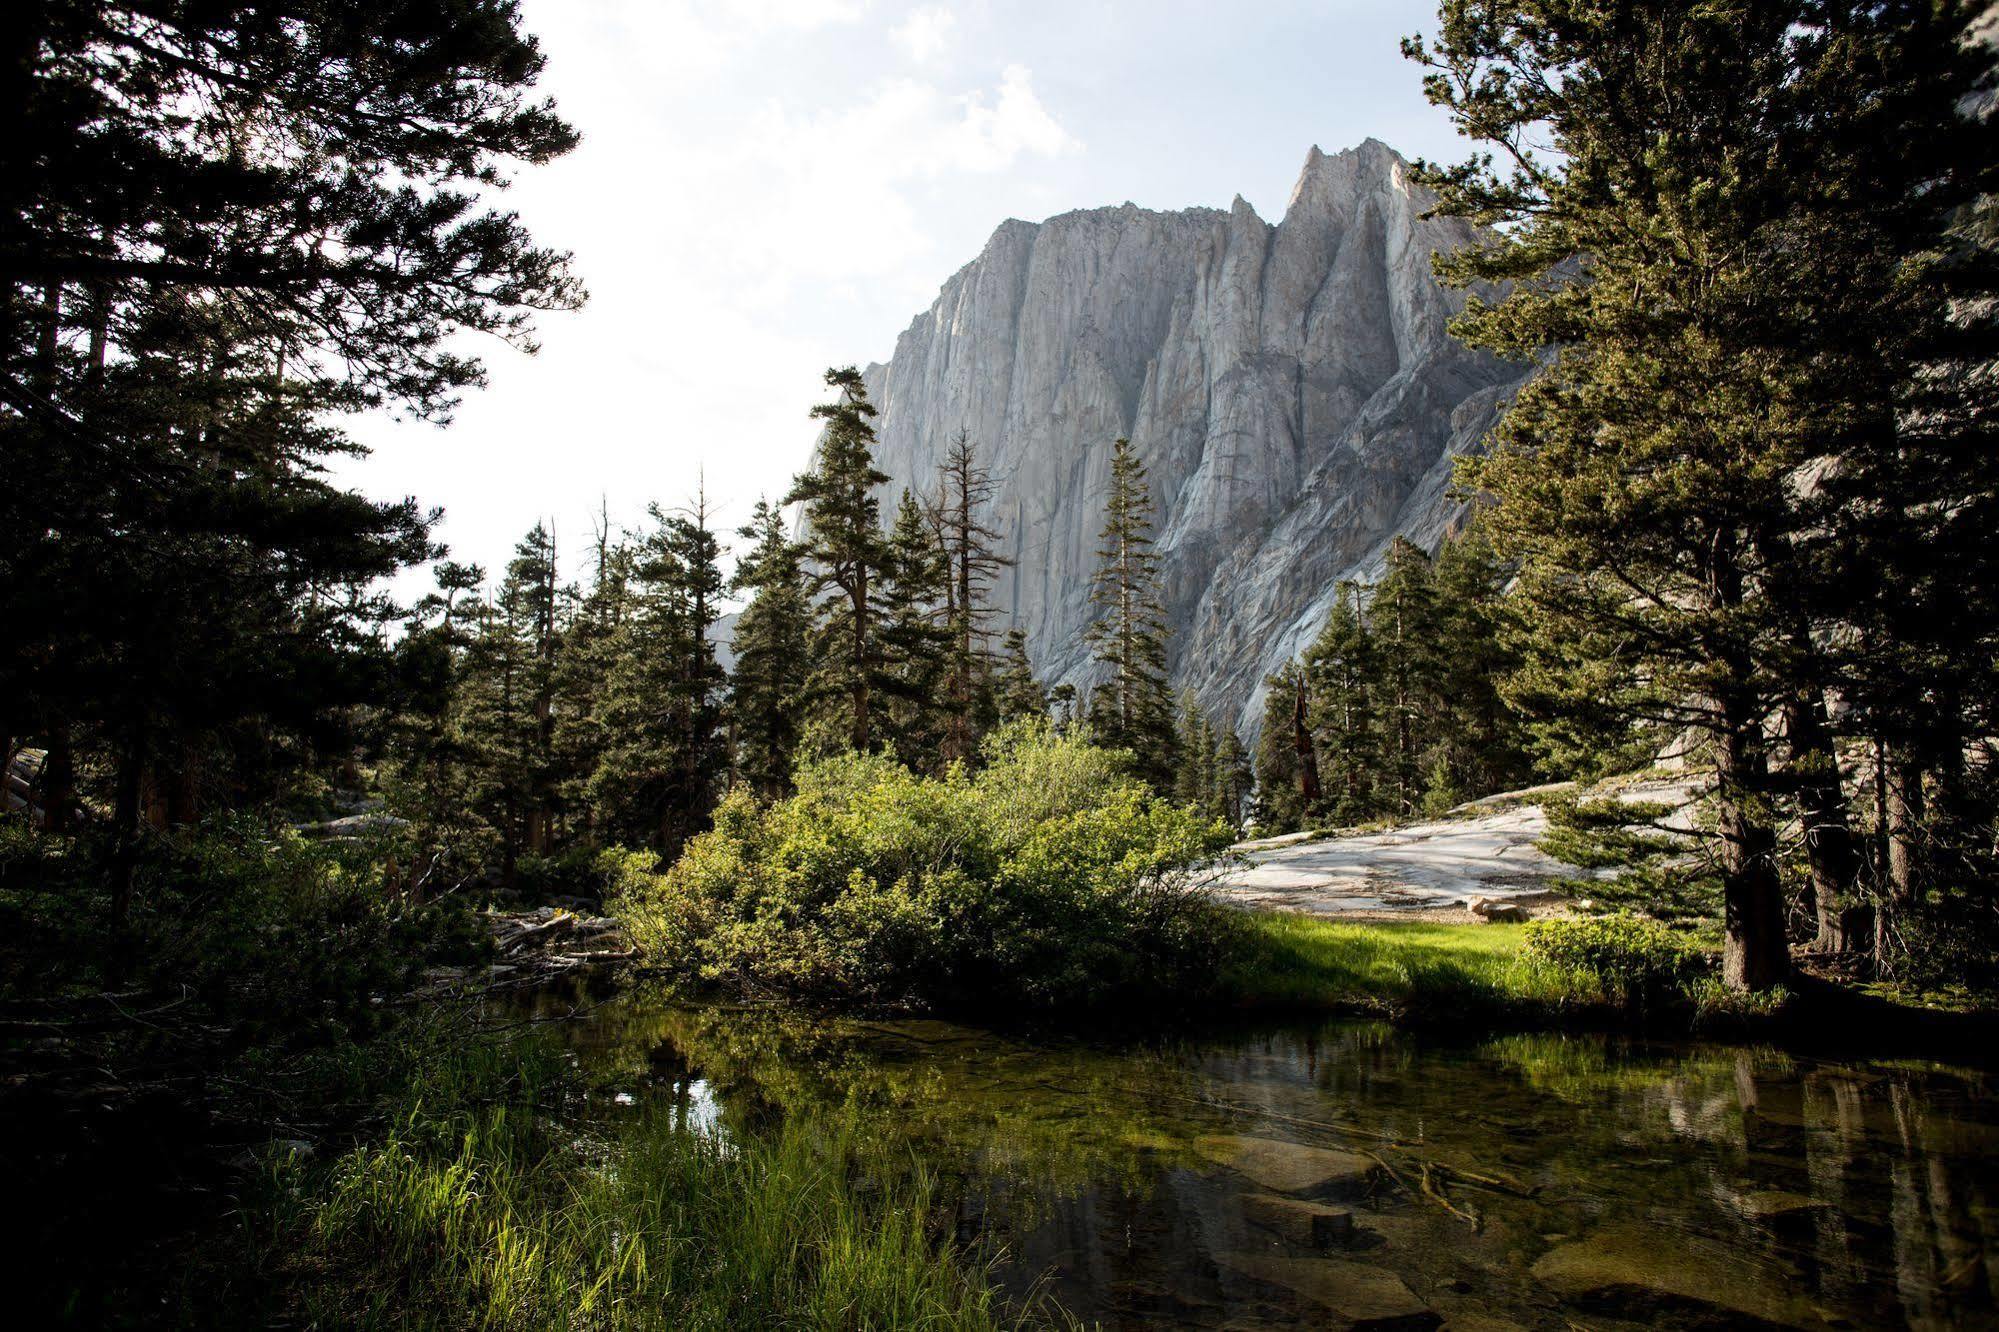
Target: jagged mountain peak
1290, 387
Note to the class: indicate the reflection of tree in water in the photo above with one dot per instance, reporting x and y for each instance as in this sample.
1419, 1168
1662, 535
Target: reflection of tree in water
1869, 1185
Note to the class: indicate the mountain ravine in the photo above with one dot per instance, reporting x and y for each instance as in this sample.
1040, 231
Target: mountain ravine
1291, 389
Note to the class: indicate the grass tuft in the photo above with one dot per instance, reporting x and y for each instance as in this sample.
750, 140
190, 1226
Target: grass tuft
497, 1216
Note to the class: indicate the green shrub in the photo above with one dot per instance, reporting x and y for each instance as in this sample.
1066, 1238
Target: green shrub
1638, 861
1636, 960
1050, 877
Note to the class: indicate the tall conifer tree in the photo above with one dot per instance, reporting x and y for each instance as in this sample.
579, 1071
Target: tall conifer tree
1405, 662
972, 561
1340, 666
1020, 694
917, 641
850, 558
767, 695
1287, 784
1754, 200
1132, 708
663, 757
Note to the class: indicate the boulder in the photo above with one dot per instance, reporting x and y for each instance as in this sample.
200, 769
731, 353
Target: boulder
1291, 1167
1648, 1272
1311, 1224
1494, 912
1361, 1297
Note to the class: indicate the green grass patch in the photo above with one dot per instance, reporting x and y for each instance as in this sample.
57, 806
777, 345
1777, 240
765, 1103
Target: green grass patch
1590, 971
1423, 971
1288, 960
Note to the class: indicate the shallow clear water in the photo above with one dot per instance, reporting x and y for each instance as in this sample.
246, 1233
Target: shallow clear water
1346, 1174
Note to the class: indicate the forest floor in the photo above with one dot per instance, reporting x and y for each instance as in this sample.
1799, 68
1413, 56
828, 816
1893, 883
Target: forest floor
1427, 871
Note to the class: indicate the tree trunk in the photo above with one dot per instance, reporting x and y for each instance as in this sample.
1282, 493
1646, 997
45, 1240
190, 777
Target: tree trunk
1308, 758
510, 851
127, 818
1902, 806
1754, 953
1832, 854
57, 784
862, 732
183, 793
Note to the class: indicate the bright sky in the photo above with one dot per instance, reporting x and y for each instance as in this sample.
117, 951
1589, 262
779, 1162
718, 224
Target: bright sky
769, 187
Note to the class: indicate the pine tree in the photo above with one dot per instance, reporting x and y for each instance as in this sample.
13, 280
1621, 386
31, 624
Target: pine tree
1232, 779
1020, 694
1194, 775
971, 564
1133, 709
1346, 734
693, 565
506, 704
768, 689
1286, 761
662, 764
1478, 747
590, 646
917, 640
1065, 708
850, 559
1404, 666
530, 596
428, 775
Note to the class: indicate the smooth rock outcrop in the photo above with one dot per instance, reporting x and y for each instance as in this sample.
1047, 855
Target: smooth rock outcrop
1291, 388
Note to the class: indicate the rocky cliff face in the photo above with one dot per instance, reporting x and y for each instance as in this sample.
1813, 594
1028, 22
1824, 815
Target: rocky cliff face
1291, 389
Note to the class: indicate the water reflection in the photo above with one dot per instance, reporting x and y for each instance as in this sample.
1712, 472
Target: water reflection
1348, 1175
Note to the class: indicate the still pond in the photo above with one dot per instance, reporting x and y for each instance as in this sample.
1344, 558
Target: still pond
1343, 1174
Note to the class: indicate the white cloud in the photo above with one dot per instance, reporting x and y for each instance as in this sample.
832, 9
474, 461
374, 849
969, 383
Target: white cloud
768, 15
1018, 124
833, 184
755, 199
925, 34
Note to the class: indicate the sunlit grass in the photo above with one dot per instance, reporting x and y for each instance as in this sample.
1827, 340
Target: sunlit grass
1292, 960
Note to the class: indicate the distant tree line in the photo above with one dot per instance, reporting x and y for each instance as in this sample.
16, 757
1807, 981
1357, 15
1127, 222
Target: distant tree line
565, 717
1396, 708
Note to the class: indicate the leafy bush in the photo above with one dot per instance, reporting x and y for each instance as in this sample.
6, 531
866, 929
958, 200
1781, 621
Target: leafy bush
1050, 877
1636, 960
256, 921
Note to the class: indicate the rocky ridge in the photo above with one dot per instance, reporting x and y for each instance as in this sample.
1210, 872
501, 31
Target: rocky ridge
1291, 388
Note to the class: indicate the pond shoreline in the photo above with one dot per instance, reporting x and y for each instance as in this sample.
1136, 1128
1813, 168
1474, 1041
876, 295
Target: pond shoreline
1817, 1016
